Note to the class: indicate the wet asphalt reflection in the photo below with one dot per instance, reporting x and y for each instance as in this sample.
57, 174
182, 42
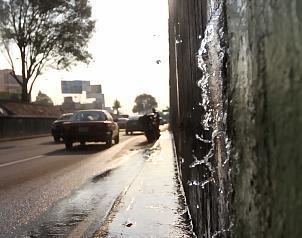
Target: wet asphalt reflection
83, 211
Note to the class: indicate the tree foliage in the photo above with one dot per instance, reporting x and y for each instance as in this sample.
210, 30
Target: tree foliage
116, 105
144, 103
43, 99
44, 33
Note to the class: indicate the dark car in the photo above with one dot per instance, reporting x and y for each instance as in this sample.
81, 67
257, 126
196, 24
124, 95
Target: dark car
56, 127
134, 124
122, 122
163, 121
90, 126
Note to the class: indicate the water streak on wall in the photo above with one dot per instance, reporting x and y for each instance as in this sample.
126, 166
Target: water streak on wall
236, 93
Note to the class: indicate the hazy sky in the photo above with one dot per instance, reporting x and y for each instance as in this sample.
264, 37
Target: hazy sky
130, 37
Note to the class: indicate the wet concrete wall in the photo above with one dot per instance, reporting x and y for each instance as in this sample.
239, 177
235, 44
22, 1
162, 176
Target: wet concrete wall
236, 95
265, 86
195, 111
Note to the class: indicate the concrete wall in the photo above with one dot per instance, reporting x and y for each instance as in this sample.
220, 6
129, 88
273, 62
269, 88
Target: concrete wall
265, 86
236, 89
18, 126
187, 22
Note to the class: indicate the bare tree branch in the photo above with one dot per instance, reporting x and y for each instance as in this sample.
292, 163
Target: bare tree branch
12, 64
46, 32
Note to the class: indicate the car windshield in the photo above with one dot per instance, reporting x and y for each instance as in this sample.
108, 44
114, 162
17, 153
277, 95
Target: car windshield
89, 116
65, 117
134, 118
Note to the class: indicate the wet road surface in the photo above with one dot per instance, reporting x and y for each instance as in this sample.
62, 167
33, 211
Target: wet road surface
49, 192
154, 204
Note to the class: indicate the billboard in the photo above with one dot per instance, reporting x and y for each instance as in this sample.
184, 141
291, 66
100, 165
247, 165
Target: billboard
71, 86
78, 86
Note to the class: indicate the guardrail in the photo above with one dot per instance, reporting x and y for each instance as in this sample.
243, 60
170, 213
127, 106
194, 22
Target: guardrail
18, 126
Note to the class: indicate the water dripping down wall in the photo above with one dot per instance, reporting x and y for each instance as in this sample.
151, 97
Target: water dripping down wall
199, 107
212, 61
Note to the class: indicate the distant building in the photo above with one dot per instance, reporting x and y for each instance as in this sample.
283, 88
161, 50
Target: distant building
9, 85
92, 91
69, 104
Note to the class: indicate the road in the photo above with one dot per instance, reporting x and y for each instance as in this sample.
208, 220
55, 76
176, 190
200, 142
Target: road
47, 191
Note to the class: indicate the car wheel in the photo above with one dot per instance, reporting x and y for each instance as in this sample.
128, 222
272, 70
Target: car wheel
127, 132
117, 139
109, 142
56, 139
68, 145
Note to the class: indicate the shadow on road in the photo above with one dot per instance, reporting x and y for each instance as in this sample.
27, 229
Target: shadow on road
101, 176
143, 143
79, 150
51, 143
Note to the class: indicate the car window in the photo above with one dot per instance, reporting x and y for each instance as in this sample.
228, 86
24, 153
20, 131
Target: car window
134, 118
89, 116
109, 117
65, 117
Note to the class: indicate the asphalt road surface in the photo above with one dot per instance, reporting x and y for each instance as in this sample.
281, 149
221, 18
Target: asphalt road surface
48, 191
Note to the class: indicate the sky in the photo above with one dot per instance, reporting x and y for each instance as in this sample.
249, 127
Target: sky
130, 37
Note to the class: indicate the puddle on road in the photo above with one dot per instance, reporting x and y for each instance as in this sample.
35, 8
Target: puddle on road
82, 212
153, 204
101, 176
7, 147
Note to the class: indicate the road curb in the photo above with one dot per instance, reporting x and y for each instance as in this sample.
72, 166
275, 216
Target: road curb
23, 137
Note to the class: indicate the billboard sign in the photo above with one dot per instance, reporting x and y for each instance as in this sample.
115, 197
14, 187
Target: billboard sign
71, 86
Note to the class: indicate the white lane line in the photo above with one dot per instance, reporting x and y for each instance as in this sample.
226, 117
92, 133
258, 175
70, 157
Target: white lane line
21, 161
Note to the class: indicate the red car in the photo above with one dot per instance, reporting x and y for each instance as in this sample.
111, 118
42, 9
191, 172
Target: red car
90, 126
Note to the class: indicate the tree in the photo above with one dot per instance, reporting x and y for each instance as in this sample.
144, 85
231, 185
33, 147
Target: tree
44, 33
144, 103
116, 106
43, 99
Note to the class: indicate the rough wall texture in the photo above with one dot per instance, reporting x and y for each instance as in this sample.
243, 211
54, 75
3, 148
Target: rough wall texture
266, 92
261, 109
197, 121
